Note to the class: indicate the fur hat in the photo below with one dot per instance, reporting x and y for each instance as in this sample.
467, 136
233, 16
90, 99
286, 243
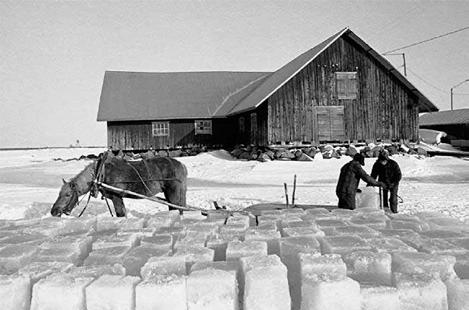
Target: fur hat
383, 155
360, 158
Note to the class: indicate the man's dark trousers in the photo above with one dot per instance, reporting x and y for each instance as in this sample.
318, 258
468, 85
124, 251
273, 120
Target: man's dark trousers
392, 198
346, 201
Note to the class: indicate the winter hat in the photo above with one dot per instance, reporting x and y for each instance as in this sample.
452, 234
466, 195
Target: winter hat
383, 155
360, 158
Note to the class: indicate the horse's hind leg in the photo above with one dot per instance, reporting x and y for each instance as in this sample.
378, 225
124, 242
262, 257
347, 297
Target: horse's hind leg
119, 206
175, 193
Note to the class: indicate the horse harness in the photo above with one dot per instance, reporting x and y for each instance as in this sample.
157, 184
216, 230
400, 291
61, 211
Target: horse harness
99, 176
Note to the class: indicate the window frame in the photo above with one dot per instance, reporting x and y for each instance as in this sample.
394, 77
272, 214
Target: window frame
203, 127
160, 129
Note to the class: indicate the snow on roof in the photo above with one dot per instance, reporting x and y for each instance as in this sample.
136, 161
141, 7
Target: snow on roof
451, 117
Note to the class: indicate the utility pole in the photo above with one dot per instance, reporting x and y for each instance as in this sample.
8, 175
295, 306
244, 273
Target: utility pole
403, 60
467, 80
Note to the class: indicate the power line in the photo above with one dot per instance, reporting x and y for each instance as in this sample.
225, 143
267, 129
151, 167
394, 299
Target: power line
426, 82
427, 40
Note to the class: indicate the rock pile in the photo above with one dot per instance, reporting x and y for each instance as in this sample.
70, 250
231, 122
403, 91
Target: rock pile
327, 151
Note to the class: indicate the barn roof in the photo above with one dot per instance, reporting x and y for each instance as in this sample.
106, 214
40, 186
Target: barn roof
285, 73
172, 95
176, 95
452, 117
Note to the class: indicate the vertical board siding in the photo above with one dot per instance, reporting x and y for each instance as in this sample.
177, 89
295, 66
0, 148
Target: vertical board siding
383, 109
137, 135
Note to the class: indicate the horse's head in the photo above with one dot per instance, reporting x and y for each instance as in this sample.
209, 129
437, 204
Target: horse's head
67, 200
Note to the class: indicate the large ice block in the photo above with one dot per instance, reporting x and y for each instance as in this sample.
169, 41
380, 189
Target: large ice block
379, 297
458, 294
265, 283
195, 254
462, 266
82, 243
111, 292
132, 224
343, 244
110, 241
269, 236
322, 294
369, 267
137, 257
289, 249
21, 238
162, 292
323, 267
389, 245
440, 246
164, 265
331, 222
192, 215
424, 263
60, 291
106, 223
212, 289
356, 230
302, 231
191, 239
417, 226
114, 255
15, 292
368, 198
218, 243
97, 270
221, 265
15, 256
420, 291
442, 234
233, 229
39, 270
238, 249
160, 241
460, 242
163, 219
77, 225
58, 254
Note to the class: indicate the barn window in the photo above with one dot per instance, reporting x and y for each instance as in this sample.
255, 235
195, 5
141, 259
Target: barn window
160, 129
346, 85
203, 127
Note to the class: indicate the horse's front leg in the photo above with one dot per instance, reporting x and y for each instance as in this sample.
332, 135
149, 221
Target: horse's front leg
119, 206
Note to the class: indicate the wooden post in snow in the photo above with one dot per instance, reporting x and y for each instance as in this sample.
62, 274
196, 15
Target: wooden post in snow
294, 190
286, 194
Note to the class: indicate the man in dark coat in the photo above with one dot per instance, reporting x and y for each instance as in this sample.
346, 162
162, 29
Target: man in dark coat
350, 175
388, 172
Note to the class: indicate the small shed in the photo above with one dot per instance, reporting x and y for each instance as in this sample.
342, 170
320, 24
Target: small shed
455, 123
339, 90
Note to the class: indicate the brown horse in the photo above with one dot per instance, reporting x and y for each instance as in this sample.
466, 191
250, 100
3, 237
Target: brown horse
146, 177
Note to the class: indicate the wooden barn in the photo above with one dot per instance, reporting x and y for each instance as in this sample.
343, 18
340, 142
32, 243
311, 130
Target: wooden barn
455, 123
340, 90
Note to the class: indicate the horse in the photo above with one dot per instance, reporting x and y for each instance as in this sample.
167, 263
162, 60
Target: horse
146, 177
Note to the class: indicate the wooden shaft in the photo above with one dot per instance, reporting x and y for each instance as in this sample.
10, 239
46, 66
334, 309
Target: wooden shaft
294, 190
162, 201
155, 199
286, 193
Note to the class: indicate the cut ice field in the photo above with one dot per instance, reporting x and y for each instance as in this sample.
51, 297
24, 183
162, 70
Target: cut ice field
283, 259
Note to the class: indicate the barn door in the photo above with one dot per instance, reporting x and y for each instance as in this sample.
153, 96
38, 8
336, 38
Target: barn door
330, 123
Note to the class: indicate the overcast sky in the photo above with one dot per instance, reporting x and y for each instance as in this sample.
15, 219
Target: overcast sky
53, 54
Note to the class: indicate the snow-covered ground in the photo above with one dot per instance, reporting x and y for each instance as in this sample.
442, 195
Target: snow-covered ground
429, 183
